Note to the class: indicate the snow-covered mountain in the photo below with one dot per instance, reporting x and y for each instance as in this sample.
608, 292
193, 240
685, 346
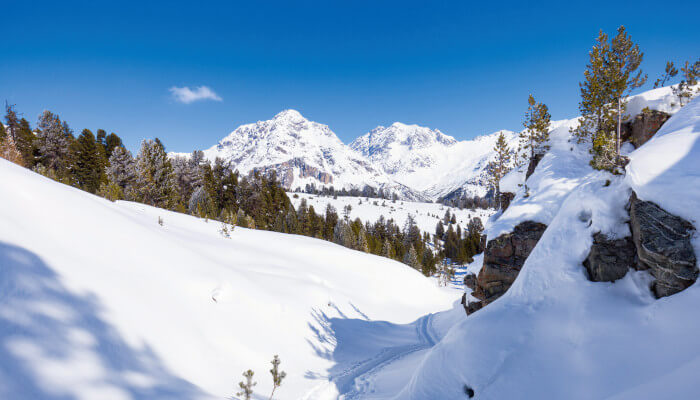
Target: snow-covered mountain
429, 161
302, 152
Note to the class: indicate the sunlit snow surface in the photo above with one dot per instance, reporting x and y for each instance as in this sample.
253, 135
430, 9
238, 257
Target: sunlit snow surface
98, 301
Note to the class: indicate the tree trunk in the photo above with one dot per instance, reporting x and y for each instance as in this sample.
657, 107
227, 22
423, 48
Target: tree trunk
619, 128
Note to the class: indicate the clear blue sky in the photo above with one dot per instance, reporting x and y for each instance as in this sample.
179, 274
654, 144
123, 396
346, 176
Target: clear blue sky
464, 68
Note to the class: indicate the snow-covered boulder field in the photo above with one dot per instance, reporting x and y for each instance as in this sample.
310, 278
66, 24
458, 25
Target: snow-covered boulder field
556, 334
100, 301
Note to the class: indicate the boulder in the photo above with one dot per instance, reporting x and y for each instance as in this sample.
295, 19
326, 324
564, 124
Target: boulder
470, 281
503, 259
662, 241
609, 259
505, 199
643, 126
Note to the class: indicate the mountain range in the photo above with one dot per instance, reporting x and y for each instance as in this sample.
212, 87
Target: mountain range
411, 161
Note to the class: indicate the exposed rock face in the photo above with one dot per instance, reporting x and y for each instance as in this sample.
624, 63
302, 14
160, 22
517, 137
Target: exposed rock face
663, 246
285, 172
506, 198
470, 281
533, 164
503, 258
609, 259
643, 126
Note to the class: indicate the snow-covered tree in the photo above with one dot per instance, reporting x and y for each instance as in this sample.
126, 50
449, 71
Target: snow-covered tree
156, 183
122, 170
9, 151
686, 89
53, 139
411, 258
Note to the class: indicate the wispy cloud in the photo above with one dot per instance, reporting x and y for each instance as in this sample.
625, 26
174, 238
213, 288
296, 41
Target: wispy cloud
186, 95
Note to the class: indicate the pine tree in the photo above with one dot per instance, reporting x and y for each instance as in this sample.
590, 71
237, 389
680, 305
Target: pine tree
669, 73
88, 166
362, 244
155, 182
277, 375
122, 171
388, 250
596, 98
686, 90
21, 134
534, 139
9, 151
247, 385
500, 166
613, 72
54, 139
411, 258
623, 75
112, 141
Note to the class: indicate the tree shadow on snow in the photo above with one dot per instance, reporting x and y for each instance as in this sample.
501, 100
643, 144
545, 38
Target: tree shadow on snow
54, 344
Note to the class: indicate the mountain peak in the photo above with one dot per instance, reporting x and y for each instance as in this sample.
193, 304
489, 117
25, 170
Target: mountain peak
289, 115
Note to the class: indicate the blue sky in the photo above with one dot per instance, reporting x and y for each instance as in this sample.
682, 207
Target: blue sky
464, 68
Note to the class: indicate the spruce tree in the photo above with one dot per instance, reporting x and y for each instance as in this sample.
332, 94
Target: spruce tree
112, 141
122, 170
411, 258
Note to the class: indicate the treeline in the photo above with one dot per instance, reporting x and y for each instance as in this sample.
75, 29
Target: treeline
100, 164
367, 192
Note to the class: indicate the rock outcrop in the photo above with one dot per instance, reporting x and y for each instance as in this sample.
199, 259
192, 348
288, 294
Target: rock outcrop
609, 259
534, 161
662, 241
503, 259
643, 126
505, 199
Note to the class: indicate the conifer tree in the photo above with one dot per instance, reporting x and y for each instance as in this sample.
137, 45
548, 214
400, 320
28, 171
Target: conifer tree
156, 184
88, 165
112, 141
669, 73
9, 151
686, 88
122, 170
534, 139
247, 385
54, 139
21, 134
500, 166
411, 258
277, 375
623, 74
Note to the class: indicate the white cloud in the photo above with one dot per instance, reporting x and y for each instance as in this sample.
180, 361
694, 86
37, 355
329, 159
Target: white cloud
187, 95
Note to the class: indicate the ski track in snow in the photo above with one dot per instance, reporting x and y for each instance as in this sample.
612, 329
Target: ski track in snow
358, 380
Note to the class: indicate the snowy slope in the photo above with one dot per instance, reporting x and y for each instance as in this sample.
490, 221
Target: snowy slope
98, 301
427, 215
555, 334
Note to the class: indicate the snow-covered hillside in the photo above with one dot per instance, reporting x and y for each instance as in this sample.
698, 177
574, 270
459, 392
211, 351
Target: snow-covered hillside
555, 334
426, 215
99, 301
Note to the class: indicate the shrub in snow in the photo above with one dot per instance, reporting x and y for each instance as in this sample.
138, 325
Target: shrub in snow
277, 375
247, 385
